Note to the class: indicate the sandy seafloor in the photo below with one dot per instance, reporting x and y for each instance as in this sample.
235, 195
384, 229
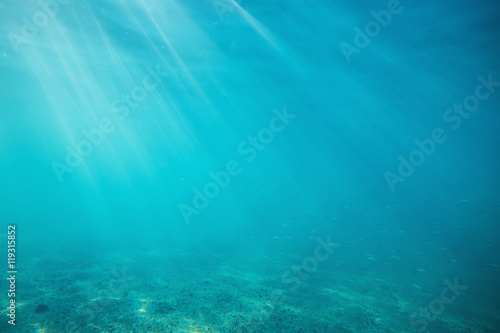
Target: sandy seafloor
224, 289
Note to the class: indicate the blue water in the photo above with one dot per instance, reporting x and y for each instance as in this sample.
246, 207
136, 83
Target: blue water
250, 166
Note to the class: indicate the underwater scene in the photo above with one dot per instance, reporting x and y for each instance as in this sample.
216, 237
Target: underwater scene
250, 166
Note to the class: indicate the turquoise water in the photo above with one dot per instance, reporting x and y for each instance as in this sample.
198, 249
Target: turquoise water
250, 166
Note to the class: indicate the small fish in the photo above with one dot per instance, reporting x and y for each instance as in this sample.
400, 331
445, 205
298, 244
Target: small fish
417, 286
422, 270
491, 265
395, 257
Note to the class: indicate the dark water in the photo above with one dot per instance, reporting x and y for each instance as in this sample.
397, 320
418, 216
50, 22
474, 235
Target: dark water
250, 166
